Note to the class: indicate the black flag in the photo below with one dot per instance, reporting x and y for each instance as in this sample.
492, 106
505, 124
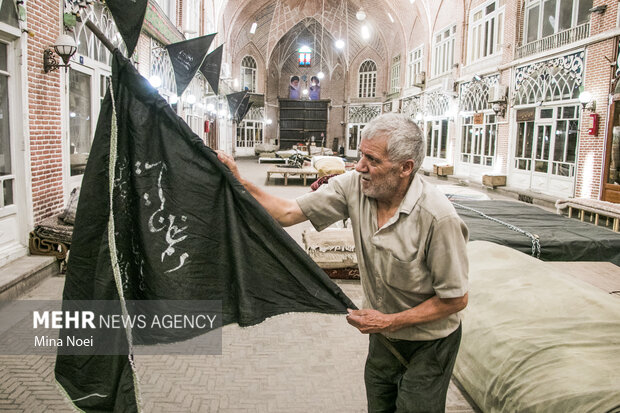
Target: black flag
186, 58
234, 102
181, 227
211, 68
243, 109
129, 16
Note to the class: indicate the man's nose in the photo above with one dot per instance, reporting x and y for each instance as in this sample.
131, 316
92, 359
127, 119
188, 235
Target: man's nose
361, 165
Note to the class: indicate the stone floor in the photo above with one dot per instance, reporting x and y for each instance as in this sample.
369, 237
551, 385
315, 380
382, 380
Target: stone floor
289, 363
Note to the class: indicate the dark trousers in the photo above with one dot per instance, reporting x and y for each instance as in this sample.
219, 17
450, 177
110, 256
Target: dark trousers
390, 387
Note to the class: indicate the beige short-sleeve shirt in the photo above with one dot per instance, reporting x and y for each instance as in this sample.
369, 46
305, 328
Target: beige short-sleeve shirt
420, 252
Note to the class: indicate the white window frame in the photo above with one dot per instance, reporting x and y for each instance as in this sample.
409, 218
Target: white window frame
250, 132
395, 75
367, 81
443, 50
416, 57
556, 29
479, 142
485, 25
248, 70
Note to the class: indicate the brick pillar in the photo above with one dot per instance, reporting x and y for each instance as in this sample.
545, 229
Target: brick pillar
44, 117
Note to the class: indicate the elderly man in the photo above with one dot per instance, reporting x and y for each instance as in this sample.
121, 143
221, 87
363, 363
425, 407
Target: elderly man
411, 253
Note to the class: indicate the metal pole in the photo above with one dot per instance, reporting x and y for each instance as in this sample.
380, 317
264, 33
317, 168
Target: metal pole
106, 42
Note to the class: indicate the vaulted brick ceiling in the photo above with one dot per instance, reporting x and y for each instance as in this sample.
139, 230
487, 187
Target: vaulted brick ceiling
284, 24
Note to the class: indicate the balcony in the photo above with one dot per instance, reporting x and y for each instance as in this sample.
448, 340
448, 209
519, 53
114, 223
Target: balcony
556, 40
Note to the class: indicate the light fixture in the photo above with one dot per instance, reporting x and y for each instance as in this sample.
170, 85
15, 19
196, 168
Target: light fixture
190, 99
587, 101
155, 81
253, 28
390, 17
476, 78
499, 108
268, 121
320, 75
365, 32
411, 1
361, 14
65, 47
211, 107
173, 99
305, 91
339, 44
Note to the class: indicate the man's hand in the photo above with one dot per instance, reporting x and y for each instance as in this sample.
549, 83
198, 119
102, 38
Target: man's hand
229, 162
370, 321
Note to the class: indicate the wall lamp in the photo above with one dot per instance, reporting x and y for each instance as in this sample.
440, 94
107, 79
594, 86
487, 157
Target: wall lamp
587, 101
499, 108
65, 47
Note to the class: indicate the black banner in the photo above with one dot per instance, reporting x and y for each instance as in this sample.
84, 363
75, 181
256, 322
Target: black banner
211, 68
243, 109
129, 16
187, 57
178, 226
234, 102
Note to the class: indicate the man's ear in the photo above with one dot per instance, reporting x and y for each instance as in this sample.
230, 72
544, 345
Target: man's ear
406, 168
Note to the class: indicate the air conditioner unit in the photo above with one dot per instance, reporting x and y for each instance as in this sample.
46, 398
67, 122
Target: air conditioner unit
497, 93
447, 84
419, 79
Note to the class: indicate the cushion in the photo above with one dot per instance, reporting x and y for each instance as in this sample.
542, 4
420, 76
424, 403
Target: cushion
328, 165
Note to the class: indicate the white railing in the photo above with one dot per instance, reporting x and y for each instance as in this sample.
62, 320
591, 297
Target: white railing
556, 40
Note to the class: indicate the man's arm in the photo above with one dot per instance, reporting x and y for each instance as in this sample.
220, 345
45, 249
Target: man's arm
285, 211
435, 308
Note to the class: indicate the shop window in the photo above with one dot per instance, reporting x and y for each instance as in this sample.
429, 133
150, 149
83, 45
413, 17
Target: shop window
79, 120
7, 179
367, 81
548, 144
479, 141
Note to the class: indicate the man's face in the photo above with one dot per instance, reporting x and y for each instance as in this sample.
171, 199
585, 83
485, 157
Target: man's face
295, 83
380, 177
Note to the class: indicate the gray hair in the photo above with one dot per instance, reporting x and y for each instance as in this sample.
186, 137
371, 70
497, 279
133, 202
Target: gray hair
405, 139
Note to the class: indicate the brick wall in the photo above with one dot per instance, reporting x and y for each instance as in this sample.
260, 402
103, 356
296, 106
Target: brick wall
46, 147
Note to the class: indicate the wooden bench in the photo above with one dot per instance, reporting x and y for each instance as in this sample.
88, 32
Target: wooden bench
594, 207
303, 173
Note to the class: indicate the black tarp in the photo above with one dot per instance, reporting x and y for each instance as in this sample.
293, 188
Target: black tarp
183, 229
561, 238
128, 16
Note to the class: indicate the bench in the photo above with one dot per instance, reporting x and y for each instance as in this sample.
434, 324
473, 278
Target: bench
302, 173
594, 207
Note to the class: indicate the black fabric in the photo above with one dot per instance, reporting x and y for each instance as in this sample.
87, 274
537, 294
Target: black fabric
128, 16
234, 102
561, 238
187, 57
211, 68
186, 229
243, 109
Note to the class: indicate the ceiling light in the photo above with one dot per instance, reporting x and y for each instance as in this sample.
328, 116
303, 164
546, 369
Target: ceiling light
411, 1
391, 18
339, 44
365, 32
361, 14
320, 75
253, 28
